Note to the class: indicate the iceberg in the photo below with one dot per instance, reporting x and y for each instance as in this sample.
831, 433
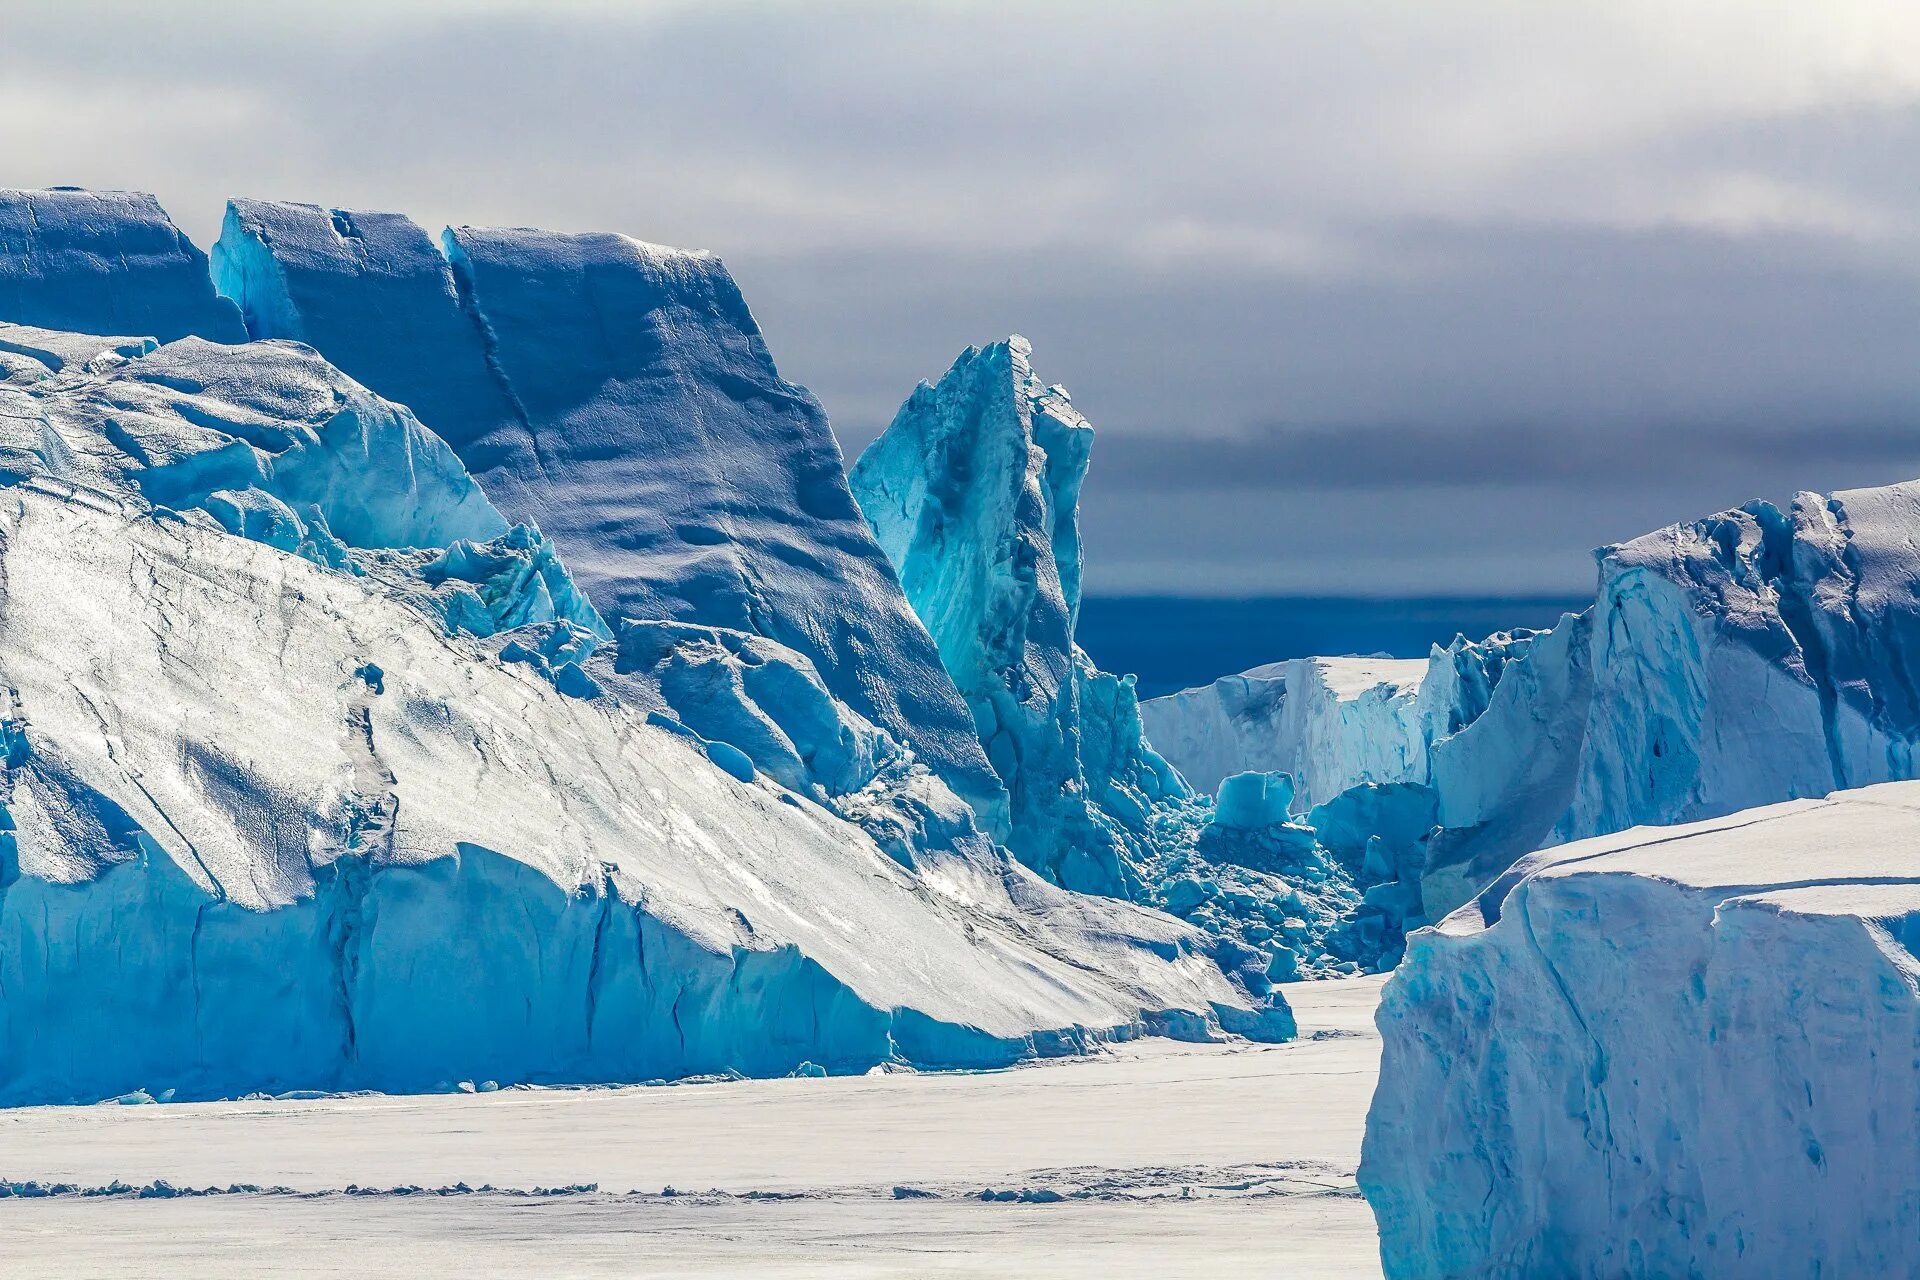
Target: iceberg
1332, 723
1754, 656
973, 493
618, 395
481, 861
1681, 1050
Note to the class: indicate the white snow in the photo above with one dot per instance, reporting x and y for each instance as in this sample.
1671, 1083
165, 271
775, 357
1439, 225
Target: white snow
1667, 1051
1197, 1160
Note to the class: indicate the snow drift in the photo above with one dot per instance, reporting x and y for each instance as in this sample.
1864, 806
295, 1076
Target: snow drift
1667, 1051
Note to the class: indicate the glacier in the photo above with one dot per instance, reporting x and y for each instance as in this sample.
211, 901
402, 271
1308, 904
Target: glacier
1667, 1051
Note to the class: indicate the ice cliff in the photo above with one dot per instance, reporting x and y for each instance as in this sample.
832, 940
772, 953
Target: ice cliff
973, 492
619, 396
105, 262
1663, 1052
1330, 723
1752, 656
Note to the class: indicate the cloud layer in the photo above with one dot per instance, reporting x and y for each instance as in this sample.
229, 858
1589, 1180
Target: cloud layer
1391, 297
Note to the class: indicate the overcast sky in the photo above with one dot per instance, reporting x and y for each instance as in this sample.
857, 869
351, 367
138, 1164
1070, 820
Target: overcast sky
1365, 298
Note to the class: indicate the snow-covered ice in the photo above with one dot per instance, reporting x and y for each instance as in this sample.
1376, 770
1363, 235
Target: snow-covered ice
619, 395
105, 262
1173, 1160
1666, 1051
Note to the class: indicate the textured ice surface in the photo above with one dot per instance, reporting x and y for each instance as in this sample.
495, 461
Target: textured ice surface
287, 810
105, 262
974, 492
618, 395
1666, 1051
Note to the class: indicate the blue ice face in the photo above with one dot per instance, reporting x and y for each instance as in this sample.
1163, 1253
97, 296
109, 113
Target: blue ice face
105, 262
973, 492
618, 395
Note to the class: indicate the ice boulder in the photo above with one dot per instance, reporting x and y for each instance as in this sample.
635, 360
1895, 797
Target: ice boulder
619, 396
973, 492
1667, 1051
468, 864
105, 262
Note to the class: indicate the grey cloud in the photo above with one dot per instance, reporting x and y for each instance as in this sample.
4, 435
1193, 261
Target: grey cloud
1461, 289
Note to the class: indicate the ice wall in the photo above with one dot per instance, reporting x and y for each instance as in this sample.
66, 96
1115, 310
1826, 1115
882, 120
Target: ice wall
1753, 656
105, 262
1669, 1051
619, 395
1333, 723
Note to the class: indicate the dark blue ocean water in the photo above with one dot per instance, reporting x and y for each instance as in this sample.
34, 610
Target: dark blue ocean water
1175, 642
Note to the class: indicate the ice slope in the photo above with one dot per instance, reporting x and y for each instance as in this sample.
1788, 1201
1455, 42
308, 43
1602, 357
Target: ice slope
973, 492
1667, 1051
279, 814
105, 262
1332, 723
619, 395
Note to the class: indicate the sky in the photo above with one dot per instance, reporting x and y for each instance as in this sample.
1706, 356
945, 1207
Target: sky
1378, 299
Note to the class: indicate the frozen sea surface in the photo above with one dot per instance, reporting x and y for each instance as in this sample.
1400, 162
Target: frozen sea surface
1172, 1159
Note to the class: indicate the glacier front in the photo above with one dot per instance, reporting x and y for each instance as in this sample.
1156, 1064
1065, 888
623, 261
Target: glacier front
1669, 1051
